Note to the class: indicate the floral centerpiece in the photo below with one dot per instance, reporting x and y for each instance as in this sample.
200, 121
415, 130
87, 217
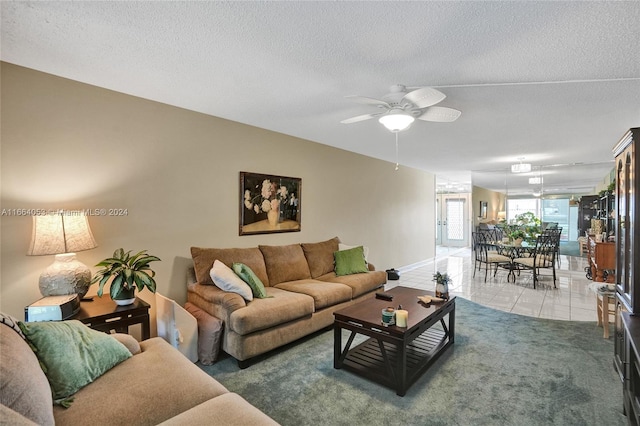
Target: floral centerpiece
269, 200
525, 226
442, 284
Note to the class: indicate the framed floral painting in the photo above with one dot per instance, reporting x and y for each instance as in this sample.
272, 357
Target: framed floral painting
269, 203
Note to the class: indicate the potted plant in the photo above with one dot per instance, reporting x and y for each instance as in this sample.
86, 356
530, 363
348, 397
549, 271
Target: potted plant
126, 273
442, 284
517, 235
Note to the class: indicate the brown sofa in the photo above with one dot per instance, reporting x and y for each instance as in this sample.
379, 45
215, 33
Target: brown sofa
303, 287
157, 384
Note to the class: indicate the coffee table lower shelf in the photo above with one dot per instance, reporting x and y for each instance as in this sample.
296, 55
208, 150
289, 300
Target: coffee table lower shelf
367, 358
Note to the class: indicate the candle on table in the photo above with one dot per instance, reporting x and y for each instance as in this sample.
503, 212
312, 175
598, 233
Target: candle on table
402, 317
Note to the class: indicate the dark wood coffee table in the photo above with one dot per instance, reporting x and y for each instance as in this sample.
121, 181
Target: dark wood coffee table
394, 356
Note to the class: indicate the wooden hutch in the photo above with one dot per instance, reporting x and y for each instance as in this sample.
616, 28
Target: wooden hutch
627, 219
602, 260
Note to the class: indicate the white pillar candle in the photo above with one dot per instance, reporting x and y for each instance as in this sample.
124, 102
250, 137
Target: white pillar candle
401, 317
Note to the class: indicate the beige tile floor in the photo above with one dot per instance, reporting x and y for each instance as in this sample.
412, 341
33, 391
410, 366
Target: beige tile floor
571, 300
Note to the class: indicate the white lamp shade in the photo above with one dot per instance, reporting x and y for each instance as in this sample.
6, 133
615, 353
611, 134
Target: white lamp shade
61, 233
396, 122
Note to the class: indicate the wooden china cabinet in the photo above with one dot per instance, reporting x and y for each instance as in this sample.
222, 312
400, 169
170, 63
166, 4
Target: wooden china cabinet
627, 220
627, 210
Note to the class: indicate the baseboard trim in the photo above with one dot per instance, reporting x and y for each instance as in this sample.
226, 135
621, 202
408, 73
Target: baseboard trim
426, 262
416, 265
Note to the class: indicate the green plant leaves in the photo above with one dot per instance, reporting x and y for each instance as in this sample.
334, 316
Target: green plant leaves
126, 271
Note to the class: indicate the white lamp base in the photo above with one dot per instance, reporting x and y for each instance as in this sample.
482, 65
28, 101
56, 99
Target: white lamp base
66, 275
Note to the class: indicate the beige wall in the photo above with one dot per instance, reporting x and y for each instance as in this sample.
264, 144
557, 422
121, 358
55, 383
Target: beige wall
73, 146
495, 203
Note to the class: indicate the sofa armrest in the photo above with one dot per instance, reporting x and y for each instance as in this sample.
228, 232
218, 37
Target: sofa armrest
214, 301
371, 266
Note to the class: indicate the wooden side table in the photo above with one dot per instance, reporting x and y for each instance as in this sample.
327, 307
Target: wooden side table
103, 314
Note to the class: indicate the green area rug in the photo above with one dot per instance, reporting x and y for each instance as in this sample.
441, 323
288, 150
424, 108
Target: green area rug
504, 369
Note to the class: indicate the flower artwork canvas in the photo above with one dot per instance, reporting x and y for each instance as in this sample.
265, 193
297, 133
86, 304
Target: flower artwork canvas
269, 203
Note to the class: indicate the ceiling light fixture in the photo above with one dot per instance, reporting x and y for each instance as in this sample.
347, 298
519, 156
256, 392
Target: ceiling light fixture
536, 180
396, 121
521, 167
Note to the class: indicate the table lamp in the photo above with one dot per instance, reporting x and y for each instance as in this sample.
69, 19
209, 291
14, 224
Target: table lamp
62, 234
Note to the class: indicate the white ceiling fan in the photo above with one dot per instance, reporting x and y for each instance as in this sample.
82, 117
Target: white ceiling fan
406, 105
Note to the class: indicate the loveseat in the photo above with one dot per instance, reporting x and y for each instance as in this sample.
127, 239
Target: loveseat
302, 288
156, 385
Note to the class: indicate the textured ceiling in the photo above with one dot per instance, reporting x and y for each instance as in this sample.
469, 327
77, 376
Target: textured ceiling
553, 82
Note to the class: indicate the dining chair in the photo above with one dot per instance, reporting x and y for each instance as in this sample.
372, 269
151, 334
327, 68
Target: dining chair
484, 254
555, 234
541, 257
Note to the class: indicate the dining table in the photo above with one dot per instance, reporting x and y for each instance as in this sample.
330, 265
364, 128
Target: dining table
513, 251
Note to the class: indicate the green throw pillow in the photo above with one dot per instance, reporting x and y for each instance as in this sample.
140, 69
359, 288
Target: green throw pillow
350, 261
72, 355
248, 276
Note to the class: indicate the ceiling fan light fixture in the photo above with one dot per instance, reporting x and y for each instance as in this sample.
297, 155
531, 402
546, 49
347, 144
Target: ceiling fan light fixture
396, 121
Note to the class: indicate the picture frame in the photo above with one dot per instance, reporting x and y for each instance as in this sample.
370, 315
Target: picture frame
483, 210
269, 203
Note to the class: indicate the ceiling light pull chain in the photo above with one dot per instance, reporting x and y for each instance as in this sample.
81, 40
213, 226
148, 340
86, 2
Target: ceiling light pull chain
397, 160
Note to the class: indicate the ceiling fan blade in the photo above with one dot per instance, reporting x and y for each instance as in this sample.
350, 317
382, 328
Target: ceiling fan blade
360, 118
440, 114
368, 101
424, 97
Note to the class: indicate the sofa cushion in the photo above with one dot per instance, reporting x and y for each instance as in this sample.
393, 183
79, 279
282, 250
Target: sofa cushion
13, 418
23, 386
324, 293
71, 354
350, 261
320, 256
148, 388
260, 314
203, 259
248, 276
359, 283
285, 263
229, 409
12, 323
225, 279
